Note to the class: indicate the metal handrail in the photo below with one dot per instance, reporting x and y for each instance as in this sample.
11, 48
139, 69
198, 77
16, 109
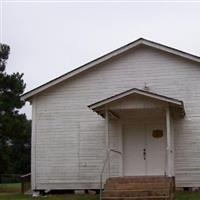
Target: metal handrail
104, 165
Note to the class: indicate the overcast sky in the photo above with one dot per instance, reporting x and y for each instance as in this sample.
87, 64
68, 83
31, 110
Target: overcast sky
48, 39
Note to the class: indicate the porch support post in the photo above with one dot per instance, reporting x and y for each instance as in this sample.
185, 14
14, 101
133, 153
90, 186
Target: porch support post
107, 138
168, 130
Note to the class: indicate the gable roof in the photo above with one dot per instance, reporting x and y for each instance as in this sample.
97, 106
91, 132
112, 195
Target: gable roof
171, 101
140, 41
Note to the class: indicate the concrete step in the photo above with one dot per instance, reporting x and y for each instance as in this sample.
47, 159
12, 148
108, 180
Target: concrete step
135, 193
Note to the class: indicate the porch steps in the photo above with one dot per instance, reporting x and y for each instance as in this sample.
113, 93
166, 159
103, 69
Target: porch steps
139, 188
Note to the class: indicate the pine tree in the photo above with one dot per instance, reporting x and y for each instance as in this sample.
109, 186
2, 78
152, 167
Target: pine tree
14, 127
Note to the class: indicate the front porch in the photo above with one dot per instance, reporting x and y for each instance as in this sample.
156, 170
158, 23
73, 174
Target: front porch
143, 124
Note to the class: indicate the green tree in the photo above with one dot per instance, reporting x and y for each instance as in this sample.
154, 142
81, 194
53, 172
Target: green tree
14, 127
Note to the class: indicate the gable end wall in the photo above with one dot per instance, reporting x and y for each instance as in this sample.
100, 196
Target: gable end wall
69, 139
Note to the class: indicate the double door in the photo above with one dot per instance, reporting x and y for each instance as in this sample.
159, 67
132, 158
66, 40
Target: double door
144, 152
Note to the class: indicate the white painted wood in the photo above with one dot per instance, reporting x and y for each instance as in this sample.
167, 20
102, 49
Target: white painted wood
106, 57
134, 97
121, 147
90, 143
33, 146
172, 145
155, 150
136, 101
107, 138
114, 138
107, 129
137, 139
62, 116
168, 130
134, 143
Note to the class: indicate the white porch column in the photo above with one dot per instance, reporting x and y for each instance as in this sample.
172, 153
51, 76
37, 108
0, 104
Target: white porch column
168, 150
107, 138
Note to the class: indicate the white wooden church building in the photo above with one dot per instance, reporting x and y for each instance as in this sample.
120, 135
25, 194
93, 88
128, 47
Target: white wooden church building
132, 112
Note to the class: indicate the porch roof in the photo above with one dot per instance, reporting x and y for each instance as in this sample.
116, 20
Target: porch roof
171, 101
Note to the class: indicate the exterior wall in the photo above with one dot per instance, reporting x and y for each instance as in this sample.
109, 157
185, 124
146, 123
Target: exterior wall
69, 139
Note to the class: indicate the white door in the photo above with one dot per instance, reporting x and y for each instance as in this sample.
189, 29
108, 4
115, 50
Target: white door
143, 154
155, 151
133, 147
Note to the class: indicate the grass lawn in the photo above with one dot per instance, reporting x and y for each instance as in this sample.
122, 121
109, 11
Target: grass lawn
188, 196
49, 197
10, 188
12, 192
179, 196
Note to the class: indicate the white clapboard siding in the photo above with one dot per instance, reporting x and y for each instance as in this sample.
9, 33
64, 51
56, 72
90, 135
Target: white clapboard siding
69, 139
136, 102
